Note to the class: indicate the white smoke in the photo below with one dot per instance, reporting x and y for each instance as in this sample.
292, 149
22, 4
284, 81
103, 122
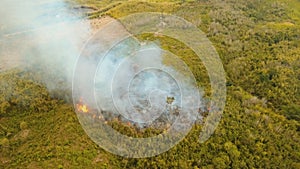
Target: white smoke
42, 35
132, 82
47, 36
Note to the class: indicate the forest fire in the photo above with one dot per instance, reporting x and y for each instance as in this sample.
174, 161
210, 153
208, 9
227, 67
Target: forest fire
82, 107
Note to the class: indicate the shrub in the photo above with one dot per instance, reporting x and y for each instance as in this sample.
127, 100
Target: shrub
23, 125
4, 142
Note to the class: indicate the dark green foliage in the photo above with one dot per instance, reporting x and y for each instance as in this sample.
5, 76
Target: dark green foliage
292, 112
20, 94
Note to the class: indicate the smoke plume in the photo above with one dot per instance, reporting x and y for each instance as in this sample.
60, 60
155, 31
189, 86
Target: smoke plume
43, 36
47, 36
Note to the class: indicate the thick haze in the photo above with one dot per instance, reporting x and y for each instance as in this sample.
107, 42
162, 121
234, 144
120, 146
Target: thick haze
44, 35
47, 36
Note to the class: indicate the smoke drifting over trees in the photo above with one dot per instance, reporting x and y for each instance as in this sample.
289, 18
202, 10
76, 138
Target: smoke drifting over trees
42, 35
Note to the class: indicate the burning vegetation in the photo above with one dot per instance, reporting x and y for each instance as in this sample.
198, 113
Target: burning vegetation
162, 123
81, 107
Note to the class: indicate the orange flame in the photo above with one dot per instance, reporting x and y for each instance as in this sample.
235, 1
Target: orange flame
82, 108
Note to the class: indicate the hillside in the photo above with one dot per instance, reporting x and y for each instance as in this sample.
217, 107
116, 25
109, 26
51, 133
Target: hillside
258, 42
